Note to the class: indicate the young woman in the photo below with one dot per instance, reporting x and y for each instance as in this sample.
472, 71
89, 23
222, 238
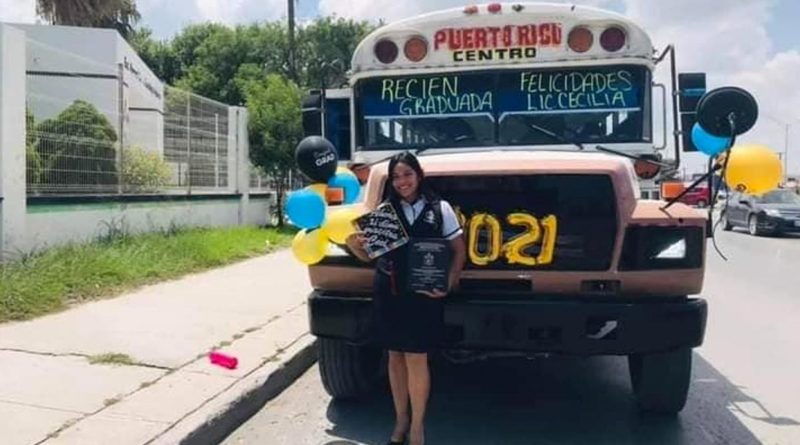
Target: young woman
408, 324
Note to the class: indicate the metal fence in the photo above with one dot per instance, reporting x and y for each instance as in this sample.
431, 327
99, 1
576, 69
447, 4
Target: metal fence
195, 141
95, 128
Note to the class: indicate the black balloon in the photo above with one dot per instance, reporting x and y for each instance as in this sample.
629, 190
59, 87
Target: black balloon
316, 157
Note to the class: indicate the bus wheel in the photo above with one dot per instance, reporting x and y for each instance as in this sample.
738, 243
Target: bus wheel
348, 371
661, 381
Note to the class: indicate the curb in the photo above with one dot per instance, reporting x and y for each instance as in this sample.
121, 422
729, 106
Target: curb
229, 410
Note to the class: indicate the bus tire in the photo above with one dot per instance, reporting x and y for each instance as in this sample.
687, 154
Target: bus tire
661, 381
348, 371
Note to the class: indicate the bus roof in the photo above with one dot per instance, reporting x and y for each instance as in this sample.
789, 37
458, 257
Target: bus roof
488, 36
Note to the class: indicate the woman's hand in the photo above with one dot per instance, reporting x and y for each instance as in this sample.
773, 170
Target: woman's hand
452, 285
355, 242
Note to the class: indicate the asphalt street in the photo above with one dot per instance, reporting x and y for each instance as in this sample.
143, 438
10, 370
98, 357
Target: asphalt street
745, 386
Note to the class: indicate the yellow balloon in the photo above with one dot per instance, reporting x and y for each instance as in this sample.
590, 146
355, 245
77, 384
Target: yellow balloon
345, 171
319, 188
339, 223
753, 169
310, 247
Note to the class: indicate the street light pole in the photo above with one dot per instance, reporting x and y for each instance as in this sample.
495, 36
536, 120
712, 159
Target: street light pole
786, 153
292, 73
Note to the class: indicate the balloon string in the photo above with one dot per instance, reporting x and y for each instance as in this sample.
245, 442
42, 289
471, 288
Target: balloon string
715, 193
714, 231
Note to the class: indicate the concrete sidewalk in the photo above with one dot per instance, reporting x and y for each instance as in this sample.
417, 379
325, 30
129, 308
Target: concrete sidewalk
50, 393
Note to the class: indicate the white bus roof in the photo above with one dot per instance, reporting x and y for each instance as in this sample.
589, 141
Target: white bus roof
479, 38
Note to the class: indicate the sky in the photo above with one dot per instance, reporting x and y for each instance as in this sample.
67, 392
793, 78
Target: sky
754, 44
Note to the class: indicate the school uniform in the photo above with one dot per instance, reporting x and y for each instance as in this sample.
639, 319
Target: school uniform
407, 321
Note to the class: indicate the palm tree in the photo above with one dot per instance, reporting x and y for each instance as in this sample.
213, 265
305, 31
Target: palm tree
116, 14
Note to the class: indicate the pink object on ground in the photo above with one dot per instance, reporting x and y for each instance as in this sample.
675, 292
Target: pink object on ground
226, 361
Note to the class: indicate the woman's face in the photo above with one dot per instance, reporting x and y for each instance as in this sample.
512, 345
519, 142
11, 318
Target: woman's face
405, 181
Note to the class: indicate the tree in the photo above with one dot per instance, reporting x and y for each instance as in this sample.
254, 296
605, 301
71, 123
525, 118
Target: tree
77, 149
115, 14
207, 58
159, 56
274, 128
327, 40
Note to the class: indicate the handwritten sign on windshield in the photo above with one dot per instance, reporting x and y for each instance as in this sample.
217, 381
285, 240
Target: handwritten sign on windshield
492, 93
383, 230
427, 96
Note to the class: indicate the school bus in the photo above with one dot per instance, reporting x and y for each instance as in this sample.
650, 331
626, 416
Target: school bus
545, 112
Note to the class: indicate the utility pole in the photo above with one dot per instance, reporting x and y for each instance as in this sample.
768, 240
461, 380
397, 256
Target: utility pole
786, 153
292, 73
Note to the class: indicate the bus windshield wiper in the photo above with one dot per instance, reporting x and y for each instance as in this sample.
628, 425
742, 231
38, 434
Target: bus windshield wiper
563, 140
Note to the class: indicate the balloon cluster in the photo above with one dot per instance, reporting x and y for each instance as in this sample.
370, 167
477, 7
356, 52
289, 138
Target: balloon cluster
307, 208
752, 169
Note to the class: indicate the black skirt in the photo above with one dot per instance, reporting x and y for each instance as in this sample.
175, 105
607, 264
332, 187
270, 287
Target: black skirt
406, 322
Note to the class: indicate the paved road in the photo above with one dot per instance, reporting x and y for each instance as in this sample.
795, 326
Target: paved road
745, 387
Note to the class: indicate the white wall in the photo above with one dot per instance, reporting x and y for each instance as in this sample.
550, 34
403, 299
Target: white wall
259, 211
38, 223
50, 224
60, 50
12, 139
144, 101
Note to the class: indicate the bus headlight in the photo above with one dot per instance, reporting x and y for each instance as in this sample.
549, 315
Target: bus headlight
658, 248
580, 39
646, 170
612, 39
415, 49
386, 51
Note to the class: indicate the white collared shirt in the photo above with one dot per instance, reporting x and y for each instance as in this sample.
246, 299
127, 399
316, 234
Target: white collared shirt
451, 228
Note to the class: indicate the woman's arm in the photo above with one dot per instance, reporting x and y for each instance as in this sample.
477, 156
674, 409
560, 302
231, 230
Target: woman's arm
459, 259
355, 242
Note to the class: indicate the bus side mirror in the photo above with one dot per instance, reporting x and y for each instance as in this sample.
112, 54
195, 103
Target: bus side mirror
727, 112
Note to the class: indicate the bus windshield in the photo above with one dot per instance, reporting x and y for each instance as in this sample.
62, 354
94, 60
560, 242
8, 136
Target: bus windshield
608, 104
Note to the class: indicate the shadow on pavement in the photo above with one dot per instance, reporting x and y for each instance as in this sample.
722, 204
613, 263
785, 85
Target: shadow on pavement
560, 400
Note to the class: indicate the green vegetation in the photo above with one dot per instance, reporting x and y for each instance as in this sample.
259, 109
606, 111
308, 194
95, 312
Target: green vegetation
112, 358
274, 129
52, 280
143, 171
248, 64
115, 14
77, 147
211, 59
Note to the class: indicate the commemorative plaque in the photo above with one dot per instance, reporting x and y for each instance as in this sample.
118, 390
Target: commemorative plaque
382, 229
428, 264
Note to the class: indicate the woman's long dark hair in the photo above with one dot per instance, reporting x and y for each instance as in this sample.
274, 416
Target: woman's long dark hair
410, 160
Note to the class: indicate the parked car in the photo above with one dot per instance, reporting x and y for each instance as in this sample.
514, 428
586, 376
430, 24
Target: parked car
775, 212
698, 197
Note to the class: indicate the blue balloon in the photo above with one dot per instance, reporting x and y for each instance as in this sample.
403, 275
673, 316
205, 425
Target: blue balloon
708, 143
305, 209
349, 183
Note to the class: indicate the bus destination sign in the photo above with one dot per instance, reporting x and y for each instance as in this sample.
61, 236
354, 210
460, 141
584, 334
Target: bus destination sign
497, 43
495, 93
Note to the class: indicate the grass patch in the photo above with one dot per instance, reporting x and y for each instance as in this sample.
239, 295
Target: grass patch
112, 359
50, 281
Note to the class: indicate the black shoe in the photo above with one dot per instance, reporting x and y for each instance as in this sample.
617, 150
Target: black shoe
392, 442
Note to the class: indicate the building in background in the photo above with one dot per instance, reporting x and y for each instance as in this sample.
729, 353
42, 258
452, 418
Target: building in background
98, 66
